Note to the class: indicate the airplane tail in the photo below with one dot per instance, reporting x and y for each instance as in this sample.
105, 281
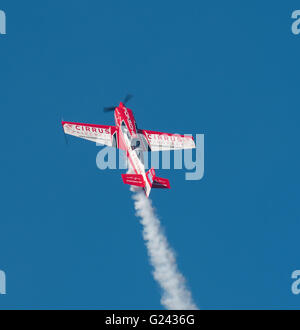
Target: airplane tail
134, 180
152, 181
156, 182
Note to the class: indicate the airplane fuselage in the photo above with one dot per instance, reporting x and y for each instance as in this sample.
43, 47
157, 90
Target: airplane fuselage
128, 140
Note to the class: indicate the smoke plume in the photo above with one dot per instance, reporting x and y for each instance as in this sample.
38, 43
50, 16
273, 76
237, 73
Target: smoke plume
175, 294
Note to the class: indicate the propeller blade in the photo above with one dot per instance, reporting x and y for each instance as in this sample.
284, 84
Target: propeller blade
127, 98
107, 109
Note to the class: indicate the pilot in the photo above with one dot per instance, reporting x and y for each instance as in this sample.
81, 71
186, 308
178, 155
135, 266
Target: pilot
135, 144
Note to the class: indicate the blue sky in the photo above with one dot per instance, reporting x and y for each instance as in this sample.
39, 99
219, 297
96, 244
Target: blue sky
69, 237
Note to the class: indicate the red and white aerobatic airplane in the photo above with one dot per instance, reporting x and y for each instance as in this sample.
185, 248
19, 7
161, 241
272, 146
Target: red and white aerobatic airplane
125, 135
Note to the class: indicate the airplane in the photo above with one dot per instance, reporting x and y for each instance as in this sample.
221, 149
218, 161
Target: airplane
125, 135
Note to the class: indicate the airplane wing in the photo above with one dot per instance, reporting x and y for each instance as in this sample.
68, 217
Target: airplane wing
102, 134
156, 141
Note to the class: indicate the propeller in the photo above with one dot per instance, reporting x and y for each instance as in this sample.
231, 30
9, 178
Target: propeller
126, 99
107, 109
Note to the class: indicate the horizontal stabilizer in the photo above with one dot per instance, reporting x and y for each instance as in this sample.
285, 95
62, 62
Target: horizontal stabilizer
134, 180
161, 183
156, 182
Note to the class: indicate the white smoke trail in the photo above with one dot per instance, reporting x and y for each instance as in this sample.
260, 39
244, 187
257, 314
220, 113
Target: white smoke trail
175, 294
